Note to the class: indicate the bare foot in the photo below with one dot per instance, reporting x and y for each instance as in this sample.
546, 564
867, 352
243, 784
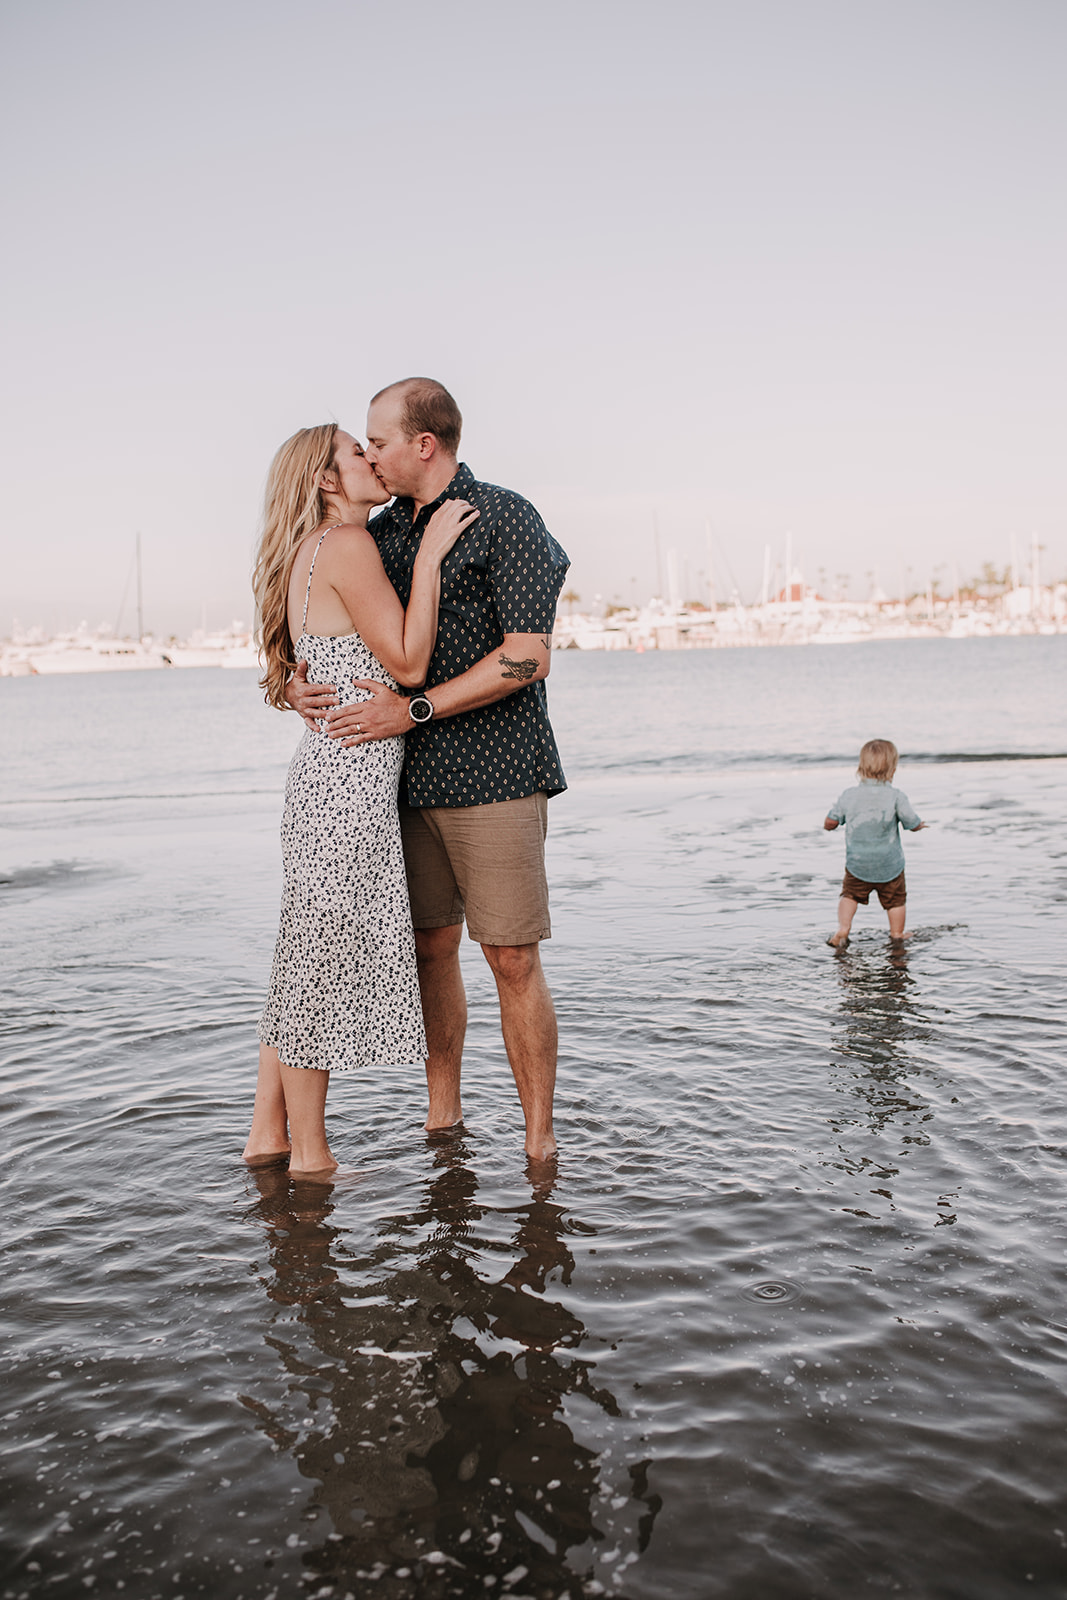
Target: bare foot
325, 1175
264, 1158
838, 940
445, 1113
440, 1135
543, 1149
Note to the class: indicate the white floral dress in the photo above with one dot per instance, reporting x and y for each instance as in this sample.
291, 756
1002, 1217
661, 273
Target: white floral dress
343, 988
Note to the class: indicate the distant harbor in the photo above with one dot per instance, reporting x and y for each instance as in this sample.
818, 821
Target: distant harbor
797, 615
32, 653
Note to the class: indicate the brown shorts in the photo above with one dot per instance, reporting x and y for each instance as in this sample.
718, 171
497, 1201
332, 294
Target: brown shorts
893, 893
482, 863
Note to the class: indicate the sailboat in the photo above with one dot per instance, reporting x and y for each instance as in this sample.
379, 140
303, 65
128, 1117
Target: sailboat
82, 651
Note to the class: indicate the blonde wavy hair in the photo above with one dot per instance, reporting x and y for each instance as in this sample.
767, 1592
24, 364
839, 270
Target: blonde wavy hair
293, 507
878, 760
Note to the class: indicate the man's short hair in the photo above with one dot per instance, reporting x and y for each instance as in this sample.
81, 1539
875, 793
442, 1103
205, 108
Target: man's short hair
427, 408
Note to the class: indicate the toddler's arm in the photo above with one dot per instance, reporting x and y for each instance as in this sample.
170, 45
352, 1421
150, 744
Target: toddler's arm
907, 817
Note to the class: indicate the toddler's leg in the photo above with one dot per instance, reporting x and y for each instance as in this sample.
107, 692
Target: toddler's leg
846, 910
896, 915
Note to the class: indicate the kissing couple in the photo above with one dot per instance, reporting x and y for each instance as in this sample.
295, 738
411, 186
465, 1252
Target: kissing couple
414, 641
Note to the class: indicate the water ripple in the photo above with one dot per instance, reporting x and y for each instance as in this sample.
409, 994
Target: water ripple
786, 1322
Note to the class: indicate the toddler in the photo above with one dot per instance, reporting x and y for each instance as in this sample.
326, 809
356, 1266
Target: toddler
873, 813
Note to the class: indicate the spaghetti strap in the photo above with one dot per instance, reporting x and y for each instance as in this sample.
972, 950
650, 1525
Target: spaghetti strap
311, 569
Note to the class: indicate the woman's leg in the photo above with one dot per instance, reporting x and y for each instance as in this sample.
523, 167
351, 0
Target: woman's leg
268, 1140
305, 1089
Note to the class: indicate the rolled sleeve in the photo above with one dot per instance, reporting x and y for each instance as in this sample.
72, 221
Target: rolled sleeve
905, 815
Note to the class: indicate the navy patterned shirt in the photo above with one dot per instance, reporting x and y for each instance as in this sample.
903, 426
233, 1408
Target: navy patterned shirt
504, 575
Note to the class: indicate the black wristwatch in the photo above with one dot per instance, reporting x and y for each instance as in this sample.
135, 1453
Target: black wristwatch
420, 708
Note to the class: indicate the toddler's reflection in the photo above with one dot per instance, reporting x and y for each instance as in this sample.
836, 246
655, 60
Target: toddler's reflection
876, 1044
879, 1018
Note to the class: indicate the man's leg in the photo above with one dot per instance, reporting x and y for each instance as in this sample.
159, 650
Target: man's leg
444, 1010
528, 1023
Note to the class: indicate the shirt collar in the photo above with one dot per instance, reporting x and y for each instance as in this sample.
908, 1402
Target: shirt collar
458, 489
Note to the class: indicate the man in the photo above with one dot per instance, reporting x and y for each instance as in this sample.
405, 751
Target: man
481, 759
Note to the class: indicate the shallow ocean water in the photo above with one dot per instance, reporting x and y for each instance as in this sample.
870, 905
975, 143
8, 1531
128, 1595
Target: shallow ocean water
790, 1319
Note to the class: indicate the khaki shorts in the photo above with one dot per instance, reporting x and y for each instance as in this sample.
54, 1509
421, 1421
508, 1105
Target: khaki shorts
893, 893
485, 864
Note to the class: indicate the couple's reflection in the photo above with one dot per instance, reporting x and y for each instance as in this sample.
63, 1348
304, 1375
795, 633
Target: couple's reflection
434, 1393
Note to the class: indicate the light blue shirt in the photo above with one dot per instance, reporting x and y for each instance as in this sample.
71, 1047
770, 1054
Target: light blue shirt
873, 814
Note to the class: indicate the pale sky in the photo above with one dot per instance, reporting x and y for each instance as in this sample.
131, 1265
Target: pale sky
793, 266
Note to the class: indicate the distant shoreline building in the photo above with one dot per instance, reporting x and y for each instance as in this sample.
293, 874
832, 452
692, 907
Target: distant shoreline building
795, 614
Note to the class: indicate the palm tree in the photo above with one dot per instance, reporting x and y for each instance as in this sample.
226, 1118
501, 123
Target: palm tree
570, 600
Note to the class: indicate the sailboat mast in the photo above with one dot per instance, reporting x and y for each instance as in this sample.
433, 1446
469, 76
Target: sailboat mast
140, 597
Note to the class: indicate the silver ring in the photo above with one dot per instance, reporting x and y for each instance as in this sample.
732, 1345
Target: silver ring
359, 727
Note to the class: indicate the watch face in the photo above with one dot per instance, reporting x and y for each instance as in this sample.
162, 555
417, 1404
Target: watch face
420, 708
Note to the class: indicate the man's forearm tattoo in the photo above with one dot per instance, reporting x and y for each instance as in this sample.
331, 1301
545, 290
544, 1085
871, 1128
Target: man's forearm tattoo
547, 643
518, 669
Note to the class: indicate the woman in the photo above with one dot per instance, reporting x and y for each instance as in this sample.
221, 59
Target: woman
343, 989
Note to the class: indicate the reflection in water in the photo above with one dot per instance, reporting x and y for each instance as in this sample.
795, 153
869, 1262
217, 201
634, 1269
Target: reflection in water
880, 1019
427, 1402
880, 1026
